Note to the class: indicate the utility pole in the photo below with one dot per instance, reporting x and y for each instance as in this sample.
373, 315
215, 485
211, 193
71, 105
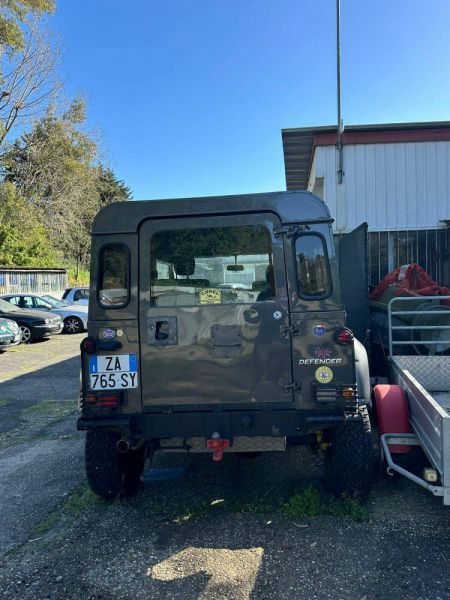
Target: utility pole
340, 128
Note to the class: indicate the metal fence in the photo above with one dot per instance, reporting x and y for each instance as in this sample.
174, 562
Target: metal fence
430, 248
36, 281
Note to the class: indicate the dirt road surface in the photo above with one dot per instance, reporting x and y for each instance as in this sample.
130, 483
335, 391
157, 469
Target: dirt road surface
233, 530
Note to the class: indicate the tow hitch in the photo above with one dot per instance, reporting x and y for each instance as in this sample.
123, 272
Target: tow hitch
217, 445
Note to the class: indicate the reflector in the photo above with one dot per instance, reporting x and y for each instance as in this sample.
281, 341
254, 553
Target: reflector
88, 345
344, 336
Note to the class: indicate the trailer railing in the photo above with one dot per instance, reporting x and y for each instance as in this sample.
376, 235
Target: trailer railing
417, 326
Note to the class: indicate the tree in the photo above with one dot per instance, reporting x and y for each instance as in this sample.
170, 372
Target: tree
55, 168
111, 189
23, 238
14, 14
30, 81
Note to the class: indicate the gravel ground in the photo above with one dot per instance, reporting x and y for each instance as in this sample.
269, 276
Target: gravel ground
220, 532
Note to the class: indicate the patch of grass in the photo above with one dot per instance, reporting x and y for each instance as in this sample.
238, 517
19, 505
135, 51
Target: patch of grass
48, 523
49, 408
305, 504
78, 502
3, 402
349, 507
74, 506
308, 503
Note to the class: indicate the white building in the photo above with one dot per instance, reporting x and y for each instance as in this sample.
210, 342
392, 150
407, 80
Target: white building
395, 177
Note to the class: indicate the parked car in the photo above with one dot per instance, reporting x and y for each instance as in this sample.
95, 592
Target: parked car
33, 324
73, 317
77, 295
9, 334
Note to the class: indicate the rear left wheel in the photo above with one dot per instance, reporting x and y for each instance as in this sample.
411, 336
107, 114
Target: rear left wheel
109, 473
73, 325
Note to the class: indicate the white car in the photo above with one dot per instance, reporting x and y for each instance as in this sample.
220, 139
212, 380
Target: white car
73, 317
77, 295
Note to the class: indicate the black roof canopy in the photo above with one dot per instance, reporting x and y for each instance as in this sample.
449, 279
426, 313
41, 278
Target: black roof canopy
291, 207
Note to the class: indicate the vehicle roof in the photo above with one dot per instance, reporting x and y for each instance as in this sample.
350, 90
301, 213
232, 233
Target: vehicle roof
291, 207
21, 294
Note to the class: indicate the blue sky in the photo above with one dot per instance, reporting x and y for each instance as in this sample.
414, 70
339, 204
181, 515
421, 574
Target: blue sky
191, 95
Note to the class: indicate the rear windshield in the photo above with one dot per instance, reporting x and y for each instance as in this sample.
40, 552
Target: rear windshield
313, 274
113, 283
220, 265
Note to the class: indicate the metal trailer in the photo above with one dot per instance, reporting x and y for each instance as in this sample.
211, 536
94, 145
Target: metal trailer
425, 381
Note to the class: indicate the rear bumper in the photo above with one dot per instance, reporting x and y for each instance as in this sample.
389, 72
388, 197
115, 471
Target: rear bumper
273, 423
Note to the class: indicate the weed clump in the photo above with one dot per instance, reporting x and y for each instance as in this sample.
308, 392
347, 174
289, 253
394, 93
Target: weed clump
308, 503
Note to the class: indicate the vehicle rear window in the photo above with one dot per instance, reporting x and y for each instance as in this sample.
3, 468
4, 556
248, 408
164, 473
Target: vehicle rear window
113, 284
82, 294
313, 278
217, 265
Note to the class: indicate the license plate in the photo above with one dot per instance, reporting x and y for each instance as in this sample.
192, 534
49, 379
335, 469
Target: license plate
118, 371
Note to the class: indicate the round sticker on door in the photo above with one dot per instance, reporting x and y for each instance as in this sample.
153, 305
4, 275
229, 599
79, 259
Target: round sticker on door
320, 330
324, 374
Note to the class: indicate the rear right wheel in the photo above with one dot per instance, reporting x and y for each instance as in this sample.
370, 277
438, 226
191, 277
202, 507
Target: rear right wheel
350, 457
26, 335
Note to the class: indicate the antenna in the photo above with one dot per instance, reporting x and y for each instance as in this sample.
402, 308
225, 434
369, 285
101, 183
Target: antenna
340, 127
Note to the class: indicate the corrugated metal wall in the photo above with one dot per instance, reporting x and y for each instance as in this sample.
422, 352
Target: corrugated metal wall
36, 281
391, 186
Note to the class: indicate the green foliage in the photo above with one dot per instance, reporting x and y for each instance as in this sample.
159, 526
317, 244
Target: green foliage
305, 504
78, 277
52, 182
14, 14
54, 166
308, 503
23, 237
109, 188
79, 501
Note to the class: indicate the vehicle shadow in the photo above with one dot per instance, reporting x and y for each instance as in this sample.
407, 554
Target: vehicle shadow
235, 484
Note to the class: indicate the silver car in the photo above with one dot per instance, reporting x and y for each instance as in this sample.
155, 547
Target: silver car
74, 317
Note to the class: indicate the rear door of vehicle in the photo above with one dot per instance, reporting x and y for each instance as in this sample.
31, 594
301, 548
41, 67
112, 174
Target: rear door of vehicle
354, 279
213, 310
319, 361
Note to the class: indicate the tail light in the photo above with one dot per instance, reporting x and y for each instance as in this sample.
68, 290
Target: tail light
344, 336
88, 345
105, 400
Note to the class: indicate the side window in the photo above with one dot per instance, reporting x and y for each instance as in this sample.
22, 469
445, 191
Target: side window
28, 302
84, 294
14, 300
77, 296
217, 265
113, 277
38, 303
313, 274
